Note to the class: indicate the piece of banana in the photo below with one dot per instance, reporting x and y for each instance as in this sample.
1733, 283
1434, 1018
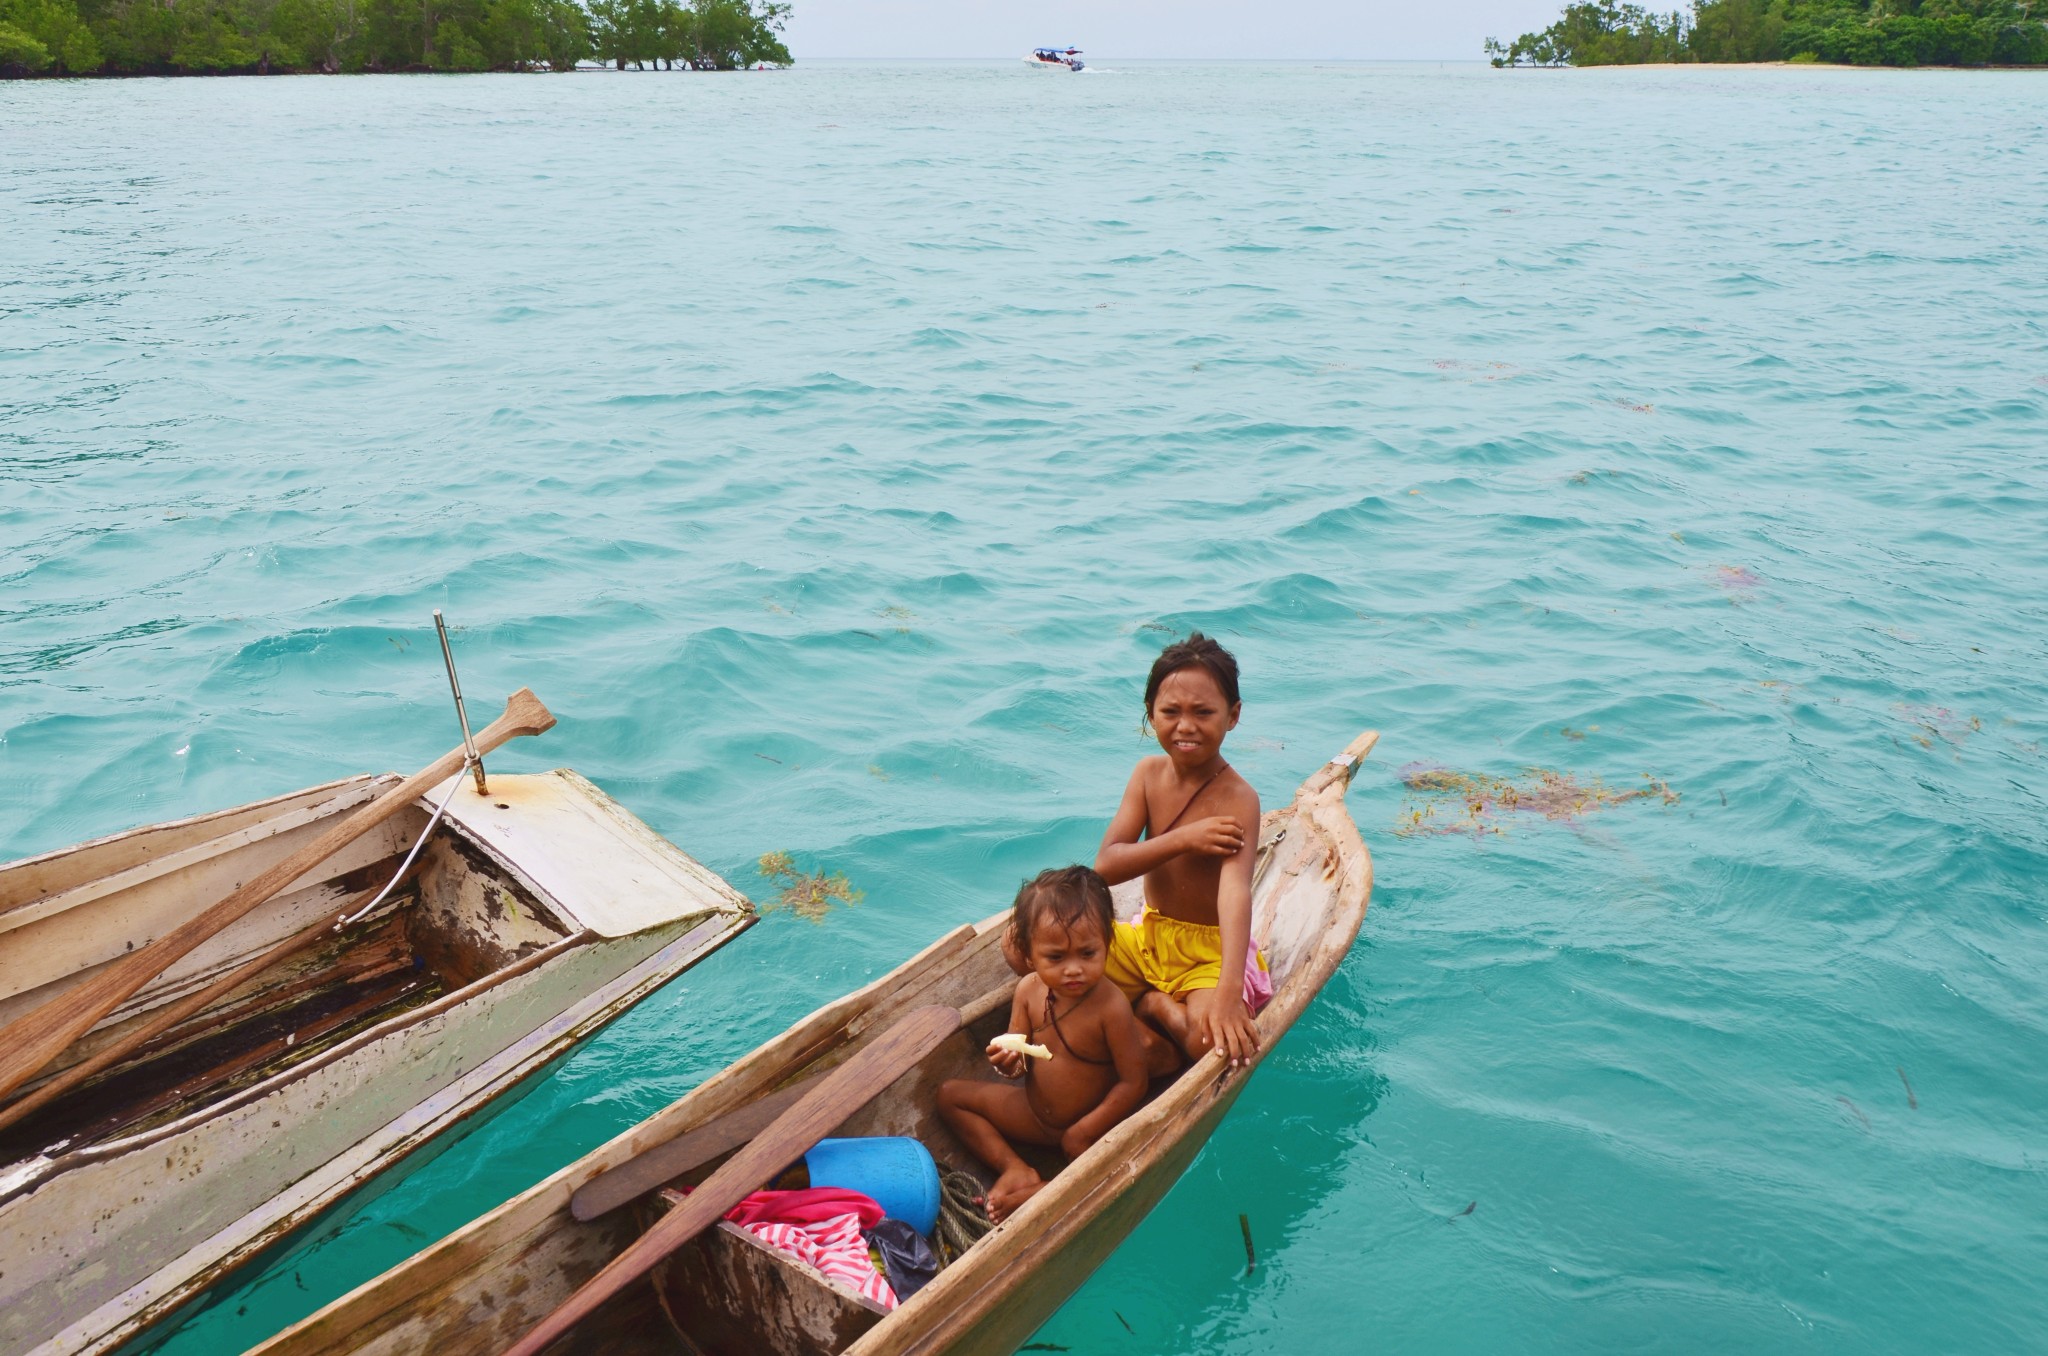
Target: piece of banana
1018, 1045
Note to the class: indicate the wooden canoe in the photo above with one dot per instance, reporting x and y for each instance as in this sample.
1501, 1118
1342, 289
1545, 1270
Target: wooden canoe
530, 918
482, 1288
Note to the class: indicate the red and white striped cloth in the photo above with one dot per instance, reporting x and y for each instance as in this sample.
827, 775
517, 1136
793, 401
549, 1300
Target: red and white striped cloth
835, 1247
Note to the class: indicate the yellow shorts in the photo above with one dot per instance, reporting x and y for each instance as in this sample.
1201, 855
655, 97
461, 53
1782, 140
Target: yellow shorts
1169, 955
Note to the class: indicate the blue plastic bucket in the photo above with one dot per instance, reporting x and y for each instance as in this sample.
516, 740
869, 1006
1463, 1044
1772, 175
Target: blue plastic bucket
896, 1171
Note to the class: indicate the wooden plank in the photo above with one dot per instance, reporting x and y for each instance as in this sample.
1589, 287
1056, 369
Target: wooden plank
569, 841
35, 911
665, 1162
49, 954
28, 879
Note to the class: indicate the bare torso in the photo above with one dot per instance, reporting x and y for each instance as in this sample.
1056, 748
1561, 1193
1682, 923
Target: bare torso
1080, 1073
1185, 887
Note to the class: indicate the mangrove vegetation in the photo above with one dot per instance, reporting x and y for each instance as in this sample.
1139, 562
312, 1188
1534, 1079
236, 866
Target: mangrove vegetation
216, 37
1848, 32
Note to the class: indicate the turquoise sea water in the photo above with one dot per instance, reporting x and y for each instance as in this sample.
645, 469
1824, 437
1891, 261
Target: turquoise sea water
832, 449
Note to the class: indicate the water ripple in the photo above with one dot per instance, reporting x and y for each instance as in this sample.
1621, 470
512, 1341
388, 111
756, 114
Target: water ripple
833, 449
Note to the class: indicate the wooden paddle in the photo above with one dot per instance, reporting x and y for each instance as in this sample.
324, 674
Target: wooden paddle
817, 1113
664, 1163
37, 1037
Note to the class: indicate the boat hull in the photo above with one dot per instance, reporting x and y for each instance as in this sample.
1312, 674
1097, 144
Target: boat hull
100, 1243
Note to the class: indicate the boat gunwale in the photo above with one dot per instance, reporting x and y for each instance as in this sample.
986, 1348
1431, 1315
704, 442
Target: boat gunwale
383, 1301
189, 821
28, 912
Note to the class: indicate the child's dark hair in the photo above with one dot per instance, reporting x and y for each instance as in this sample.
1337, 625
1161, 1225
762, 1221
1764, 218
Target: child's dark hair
1196, 652
1066, 895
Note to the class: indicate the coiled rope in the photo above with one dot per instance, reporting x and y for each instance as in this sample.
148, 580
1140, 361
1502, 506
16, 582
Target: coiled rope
962, 1217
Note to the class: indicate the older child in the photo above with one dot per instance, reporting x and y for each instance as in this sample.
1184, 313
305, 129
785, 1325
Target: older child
1096, 1075
1189, 825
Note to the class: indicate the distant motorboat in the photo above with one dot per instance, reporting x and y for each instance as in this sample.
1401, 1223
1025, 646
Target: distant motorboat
1069, 58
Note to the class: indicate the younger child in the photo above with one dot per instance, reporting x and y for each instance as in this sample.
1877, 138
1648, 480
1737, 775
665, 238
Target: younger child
1096, 1075
1189, 824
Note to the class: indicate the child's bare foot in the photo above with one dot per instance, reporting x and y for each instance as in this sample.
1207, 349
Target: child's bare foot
1011, 1190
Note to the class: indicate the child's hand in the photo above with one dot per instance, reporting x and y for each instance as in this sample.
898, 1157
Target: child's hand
1008, 1063
1232, 1030
1074, 1142
1216, 836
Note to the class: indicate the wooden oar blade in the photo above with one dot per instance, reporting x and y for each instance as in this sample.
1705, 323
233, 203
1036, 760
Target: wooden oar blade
836, 1096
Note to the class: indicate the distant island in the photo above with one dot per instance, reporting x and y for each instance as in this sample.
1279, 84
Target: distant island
265, 37
1846, 32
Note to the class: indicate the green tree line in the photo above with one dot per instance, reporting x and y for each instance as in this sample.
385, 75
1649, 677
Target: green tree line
1850, 32
211, 37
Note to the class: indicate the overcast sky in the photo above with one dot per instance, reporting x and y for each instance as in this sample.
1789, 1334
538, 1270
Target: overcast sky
1106, 29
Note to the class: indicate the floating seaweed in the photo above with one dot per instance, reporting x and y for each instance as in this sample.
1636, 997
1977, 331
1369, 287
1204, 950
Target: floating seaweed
1476, 371
1780, 689
1938, 723
809, 895
1736, 579
1476, 803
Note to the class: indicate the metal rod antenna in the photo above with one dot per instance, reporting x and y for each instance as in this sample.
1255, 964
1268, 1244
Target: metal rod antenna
476, 761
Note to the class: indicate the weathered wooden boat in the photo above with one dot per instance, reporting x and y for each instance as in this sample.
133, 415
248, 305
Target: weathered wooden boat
529, 918
483, 1288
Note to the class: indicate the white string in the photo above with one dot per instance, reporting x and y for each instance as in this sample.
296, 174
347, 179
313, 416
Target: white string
406, 865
